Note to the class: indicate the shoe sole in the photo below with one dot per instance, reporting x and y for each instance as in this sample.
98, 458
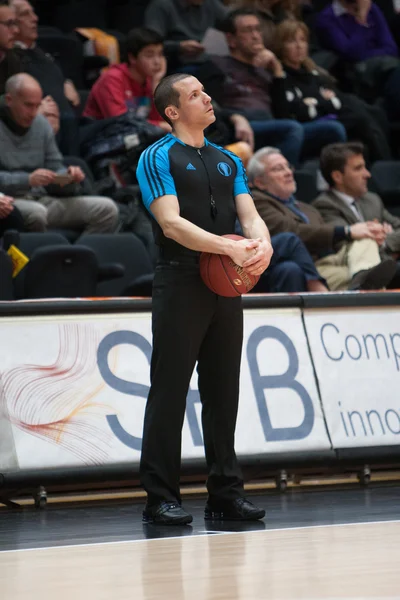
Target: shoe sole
180, 521
220, 516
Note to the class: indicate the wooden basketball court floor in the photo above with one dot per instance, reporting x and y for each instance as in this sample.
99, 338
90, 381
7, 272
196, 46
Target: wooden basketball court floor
324, 544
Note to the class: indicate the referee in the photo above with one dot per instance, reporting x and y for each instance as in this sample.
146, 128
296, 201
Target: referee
195, 191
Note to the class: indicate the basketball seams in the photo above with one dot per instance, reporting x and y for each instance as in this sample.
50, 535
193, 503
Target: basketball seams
227, 275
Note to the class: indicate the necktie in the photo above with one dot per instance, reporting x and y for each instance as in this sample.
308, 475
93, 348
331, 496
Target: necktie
294, 207
357, 211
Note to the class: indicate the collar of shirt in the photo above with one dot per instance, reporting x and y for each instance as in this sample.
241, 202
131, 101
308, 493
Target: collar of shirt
18, 44
338, 9
350, 201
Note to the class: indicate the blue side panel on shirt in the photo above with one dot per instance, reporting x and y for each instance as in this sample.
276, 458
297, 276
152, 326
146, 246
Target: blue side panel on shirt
240, 185
153, 171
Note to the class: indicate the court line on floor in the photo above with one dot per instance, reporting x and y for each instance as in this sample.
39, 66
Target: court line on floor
198, 535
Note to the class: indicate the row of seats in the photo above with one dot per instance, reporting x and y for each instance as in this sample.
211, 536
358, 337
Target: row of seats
104, 265
121, 15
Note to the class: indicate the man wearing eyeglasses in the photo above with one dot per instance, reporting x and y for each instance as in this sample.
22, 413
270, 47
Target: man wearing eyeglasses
9, 62
346, 257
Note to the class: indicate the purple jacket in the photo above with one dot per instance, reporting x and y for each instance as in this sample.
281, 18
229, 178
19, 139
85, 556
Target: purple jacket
352, 41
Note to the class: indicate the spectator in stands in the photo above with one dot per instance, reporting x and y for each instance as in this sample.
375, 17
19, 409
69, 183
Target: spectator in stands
311, 96
291, 269
130, 86
31, 168
348, 202
183, 24
9, 62
356, 30
271, 13
43, 68
244, 81
10, 217
347, 257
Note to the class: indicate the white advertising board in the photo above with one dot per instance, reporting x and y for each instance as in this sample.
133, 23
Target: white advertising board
74, 389
356, 353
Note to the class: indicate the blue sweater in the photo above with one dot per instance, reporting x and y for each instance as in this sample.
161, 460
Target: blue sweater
352, 41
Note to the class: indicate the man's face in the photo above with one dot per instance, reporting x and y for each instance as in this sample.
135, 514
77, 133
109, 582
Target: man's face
278, 177
248, 37
354, 179
195, 107
24, 105
8, 28
150, 60
27, 22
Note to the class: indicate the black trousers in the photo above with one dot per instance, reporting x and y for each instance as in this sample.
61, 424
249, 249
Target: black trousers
191, 323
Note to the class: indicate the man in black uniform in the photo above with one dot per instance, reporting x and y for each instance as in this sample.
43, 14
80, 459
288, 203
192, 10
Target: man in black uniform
195, 191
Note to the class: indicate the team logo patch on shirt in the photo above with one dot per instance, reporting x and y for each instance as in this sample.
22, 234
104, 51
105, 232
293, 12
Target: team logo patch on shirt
190, 167
224, 169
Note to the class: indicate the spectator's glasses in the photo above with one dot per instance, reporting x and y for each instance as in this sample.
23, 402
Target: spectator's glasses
10, 24
282, 168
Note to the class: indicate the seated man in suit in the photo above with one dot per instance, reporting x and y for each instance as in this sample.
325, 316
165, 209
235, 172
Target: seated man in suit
346, 257
348, 202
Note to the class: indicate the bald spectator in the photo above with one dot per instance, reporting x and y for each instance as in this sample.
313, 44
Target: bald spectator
31, 168
9, 62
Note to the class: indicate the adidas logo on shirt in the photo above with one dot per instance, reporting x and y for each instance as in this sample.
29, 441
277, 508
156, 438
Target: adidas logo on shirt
190, 167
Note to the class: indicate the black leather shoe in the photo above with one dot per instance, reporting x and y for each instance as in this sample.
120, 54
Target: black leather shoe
166, 513
240, 509
375, 278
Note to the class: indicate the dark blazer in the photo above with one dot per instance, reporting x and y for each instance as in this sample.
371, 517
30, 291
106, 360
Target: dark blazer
316, 235
336, 212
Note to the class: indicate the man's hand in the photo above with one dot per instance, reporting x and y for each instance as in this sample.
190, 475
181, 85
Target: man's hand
76, 173
243, 130
191, 47
327, 94
41, 177
387, 228
6, 206
49, 109
160, 73
378, 231
261, 258
71, 93
266, 59
242, 250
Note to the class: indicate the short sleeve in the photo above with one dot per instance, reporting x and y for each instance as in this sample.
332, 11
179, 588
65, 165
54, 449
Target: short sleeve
240, 185
153, 174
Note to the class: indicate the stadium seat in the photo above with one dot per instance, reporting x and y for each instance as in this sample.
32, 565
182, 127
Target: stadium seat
56, 268
6, 281
306, 182
128, 250
124, 15
385, 181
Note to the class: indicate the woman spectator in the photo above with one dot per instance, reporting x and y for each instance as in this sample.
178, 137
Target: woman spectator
310, 93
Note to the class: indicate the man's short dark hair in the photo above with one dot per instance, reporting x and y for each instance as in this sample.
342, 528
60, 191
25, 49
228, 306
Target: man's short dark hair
229, 23
166, 93
4, 3
139, 38
334, 157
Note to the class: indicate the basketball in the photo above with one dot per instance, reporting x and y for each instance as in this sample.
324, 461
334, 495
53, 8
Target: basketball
224, 277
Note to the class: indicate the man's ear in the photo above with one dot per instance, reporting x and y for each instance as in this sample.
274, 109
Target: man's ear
231, 40
131, 60
7, 98
337, 177
172, 113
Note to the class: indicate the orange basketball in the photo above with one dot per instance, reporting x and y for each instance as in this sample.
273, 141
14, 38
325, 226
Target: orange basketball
224, 277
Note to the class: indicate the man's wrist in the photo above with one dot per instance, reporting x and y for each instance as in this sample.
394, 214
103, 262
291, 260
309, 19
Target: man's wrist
348, 234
